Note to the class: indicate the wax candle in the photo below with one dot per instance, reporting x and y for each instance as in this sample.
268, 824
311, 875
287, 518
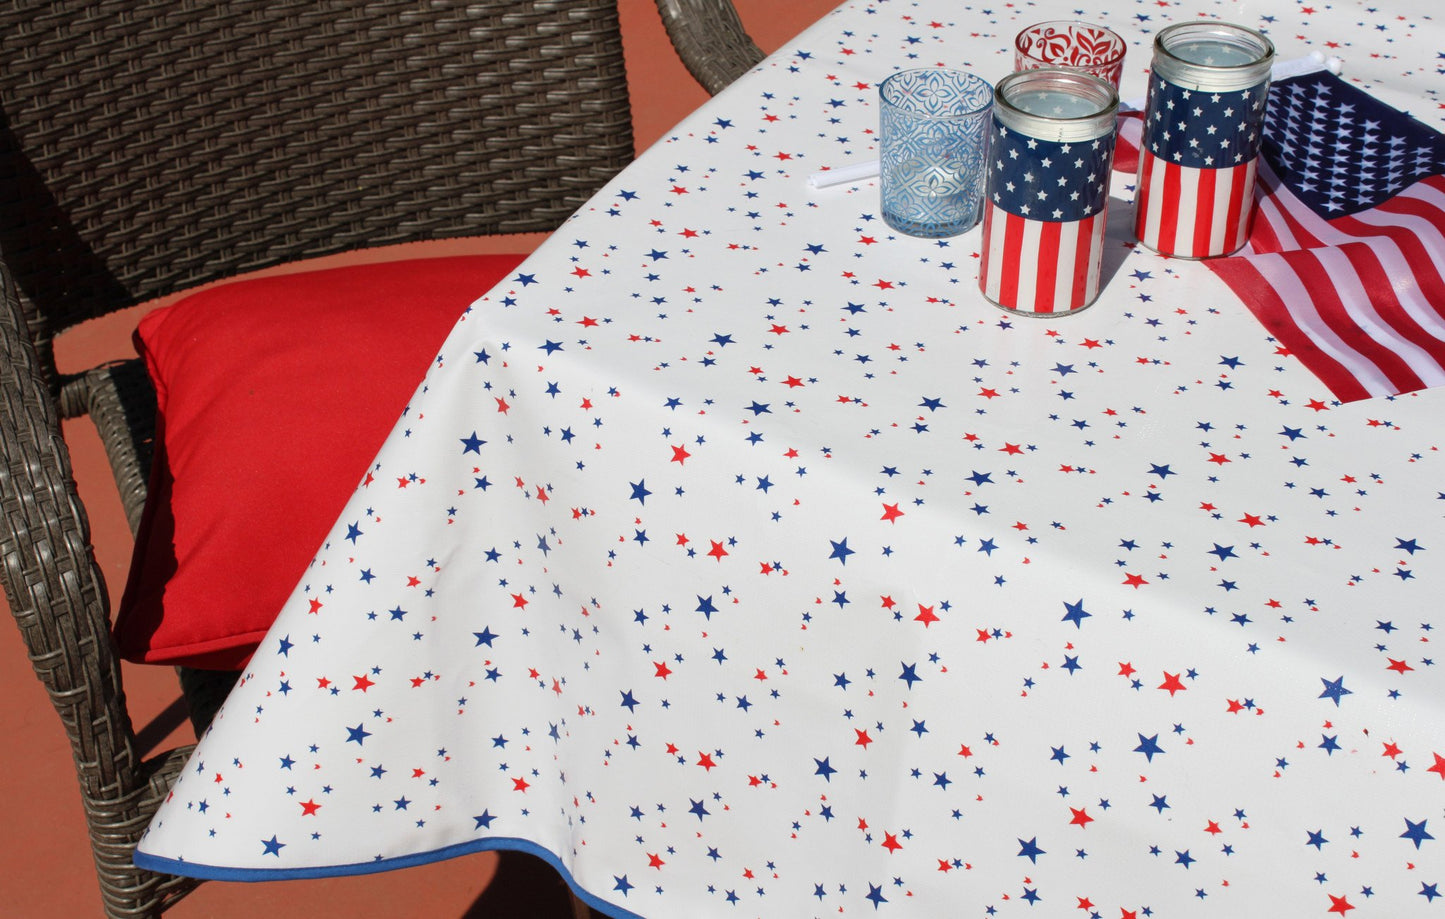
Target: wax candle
1212, 56
1213, 52
1054, 103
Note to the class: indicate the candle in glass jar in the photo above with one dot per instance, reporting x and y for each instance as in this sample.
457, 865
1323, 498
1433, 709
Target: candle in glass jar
1045, 210
1208, 91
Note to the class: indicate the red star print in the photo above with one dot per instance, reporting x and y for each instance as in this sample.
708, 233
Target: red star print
1172, 683
1439, 767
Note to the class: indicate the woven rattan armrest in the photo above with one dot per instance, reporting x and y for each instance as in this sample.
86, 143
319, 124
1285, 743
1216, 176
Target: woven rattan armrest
57, 596
710, 39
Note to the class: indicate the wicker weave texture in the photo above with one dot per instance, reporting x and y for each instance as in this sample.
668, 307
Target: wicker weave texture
710, 39
180, 141
57, 595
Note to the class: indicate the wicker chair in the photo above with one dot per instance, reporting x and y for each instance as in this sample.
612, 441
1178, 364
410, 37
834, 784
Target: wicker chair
148, 146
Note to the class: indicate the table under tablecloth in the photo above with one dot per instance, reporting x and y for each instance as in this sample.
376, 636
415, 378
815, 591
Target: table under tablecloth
738, 558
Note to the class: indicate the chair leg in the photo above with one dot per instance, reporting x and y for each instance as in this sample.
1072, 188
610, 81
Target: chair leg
580, 910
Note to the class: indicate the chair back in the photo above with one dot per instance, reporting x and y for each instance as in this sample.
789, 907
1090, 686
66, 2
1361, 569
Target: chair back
150, 145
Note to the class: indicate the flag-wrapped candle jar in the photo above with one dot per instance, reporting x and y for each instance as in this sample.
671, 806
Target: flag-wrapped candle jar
1048, 191
1208, 87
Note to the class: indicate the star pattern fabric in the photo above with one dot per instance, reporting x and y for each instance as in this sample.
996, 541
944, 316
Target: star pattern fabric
1204, 130
738, 559
1048, 180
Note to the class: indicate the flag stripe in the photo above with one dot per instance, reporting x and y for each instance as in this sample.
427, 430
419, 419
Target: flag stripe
1375, 311
1171, 203
1040, 266
1048, 268
1026, 294
987, 273
1293, 224
1240, 207
1341, 265
1392, 317
1274, 227
1098, 225
1279, 297
1410, 267
1196, 213
1374, 277
1413, 221
1207, 234
1143, 212
1074, 284
1008, 266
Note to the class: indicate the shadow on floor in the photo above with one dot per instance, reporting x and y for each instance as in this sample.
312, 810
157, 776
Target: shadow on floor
524, 886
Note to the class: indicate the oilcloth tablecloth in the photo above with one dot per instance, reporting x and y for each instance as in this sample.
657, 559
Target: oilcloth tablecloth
738, 558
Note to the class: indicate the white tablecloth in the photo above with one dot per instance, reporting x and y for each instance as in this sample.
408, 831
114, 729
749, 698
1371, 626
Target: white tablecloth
738, 558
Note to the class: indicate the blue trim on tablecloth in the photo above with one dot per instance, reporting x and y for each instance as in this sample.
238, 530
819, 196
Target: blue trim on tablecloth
492, 843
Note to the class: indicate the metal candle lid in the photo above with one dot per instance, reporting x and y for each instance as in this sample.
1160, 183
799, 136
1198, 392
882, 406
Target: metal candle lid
1212, 56
1064, 106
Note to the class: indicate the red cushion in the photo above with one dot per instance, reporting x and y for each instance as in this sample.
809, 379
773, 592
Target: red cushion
273, 397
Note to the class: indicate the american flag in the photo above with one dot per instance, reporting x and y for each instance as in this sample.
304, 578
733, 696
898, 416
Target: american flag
1043, 222
1197, 168
1344, 262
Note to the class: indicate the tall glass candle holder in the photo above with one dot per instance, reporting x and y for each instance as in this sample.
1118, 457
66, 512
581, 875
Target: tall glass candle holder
1047, 196
933, 125
1203, 121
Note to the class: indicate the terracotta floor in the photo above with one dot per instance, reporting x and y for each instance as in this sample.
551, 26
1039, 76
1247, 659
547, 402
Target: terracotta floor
45, 867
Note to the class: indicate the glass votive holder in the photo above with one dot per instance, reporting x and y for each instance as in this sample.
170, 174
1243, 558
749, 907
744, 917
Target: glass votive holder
1050, 157
1062, 43
933, 127
1203, 121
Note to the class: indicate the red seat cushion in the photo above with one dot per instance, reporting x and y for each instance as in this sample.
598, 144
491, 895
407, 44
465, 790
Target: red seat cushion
273, 397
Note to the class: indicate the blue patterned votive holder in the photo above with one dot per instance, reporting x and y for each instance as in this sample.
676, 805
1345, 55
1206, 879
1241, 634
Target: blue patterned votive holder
933, 131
